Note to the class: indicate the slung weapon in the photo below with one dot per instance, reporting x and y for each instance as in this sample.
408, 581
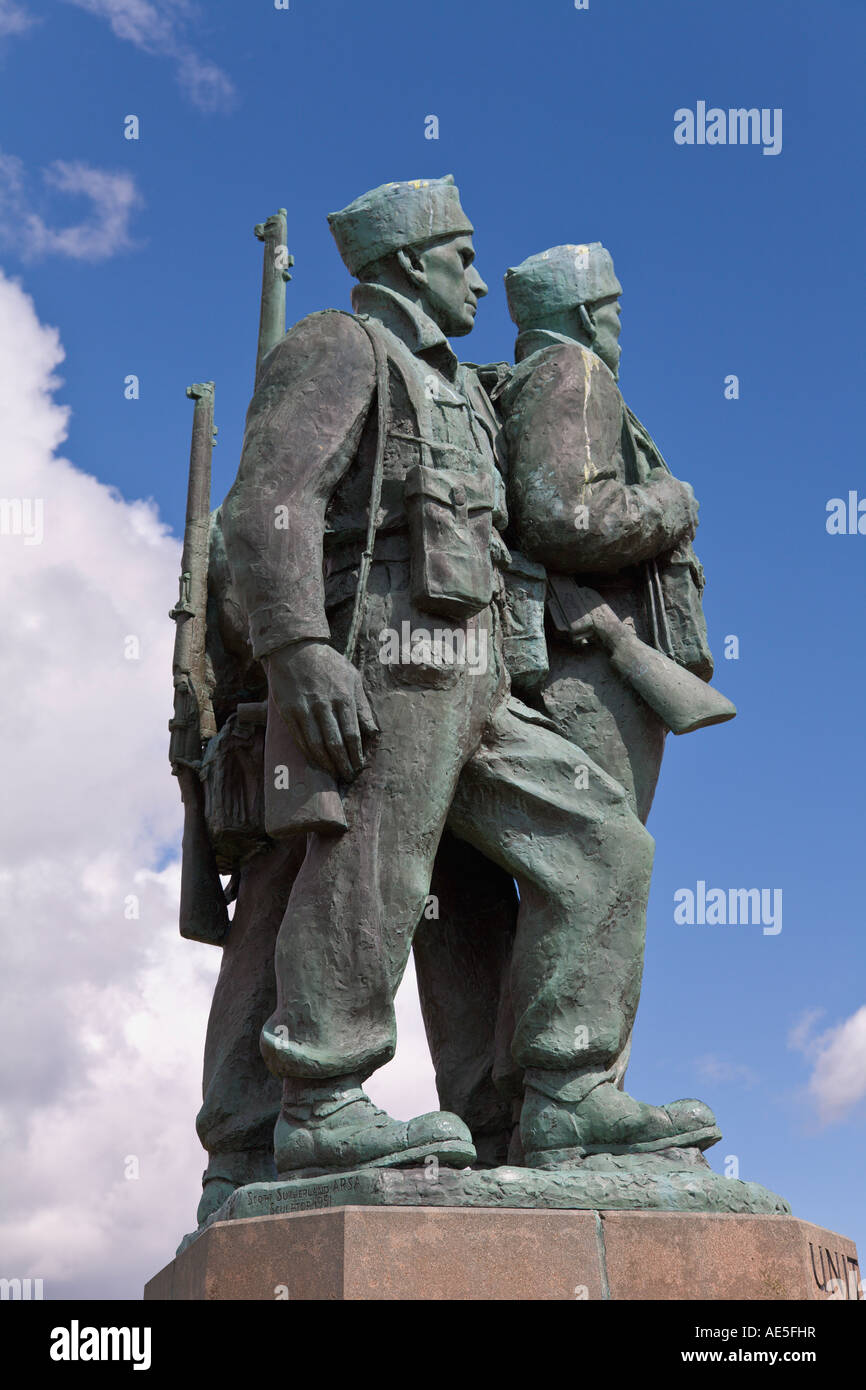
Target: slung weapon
203, 912
680, 699
298, 795
275, 274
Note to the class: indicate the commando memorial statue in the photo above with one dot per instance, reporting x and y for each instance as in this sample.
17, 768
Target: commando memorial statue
429, 649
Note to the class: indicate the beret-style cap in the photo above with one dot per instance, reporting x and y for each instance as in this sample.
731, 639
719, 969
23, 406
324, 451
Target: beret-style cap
397, 215
559, 279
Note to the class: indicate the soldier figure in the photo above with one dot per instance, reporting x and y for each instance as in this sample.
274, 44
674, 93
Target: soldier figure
594, 506
591, 498
385, 455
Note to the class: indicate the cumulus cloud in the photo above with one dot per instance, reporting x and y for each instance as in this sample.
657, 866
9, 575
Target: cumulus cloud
15, 19
105, 231
713, 1068
158, 27
837, 1085
104, 1007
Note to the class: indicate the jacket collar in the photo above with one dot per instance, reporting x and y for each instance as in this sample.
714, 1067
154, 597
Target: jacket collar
534, 339
406, 321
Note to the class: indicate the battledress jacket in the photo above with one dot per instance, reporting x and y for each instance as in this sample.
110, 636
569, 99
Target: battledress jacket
295, 520
590, 496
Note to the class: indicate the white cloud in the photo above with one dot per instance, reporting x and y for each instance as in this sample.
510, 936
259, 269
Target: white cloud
102, 1019
102, 233
208, 87
148, 25
837, 1085
713, 1068
158, 27
801, 1032
15, 19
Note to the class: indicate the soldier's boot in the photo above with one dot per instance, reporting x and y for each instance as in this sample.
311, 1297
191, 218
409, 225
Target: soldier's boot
228, 1171
556, 1131
334, 1127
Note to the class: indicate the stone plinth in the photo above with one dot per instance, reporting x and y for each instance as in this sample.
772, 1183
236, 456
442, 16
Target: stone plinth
449, 1252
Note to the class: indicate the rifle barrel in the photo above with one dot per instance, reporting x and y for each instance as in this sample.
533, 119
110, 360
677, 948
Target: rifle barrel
275, 263
193, 721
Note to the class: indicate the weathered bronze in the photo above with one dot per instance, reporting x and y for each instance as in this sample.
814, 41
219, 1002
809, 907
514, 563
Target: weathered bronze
453, 613
203, 915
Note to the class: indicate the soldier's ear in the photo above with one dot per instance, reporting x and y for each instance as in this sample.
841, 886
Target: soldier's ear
411, 265
587, 319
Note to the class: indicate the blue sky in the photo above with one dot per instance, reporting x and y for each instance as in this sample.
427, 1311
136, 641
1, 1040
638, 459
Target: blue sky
558, 126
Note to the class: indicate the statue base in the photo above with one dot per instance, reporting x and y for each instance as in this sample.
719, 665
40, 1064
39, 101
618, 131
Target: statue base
673, 1180
661, 1226
455, 1253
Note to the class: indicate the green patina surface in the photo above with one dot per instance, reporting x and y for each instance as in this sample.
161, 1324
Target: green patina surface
374, 792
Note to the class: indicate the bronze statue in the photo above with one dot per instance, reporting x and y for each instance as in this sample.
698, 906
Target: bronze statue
453, 612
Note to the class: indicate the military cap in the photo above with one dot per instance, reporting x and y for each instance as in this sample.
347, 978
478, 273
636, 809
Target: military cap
397, 215
559, 279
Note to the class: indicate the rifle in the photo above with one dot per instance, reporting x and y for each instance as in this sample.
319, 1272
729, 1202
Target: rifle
275, 274
203, 912
298, 795
680, 699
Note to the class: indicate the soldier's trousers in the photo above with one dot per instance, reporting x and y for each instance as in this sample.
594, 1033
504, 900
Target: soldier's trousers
590, 704
456, 749
464, 983
240, 1098
463, 962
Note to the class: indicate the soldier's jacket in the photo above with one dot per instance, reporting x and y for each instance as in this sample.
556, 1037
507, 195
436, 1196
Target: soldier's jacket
589, 494
296, 518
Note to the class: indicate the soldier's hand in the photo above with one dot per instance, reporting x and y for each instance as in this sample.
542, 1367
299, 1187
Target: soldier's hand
693, 506
322, 699
677, 502
599, 622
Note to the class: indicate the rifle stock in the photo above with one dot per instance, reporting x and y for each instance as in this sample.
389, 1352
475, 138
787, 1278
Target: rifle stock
203, 911
681, 700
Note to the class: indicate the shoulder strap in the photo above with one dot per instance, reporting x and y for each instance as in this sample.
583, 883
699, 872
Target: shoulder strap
639, 432
383, 420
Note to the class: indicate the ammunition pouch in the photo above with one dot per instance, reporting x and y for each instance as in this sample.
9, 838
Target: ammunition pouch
524, 640
450, 531
681, 576
232, 773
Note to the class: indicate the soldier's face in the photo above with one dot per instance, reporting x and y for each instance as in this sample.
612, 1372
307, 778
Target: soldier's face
451, 286
606, 314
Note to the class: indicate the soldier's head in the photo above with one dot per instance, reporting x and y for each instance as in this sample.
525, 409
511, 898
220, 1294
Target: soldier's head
570, 290
416, 239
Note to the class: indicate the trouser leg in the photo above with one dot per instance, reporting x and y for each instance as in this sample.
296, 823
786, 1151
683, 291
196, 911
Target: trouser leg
462, 964
582, 862
594, 708
616, 730
345, 939
241, 1099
